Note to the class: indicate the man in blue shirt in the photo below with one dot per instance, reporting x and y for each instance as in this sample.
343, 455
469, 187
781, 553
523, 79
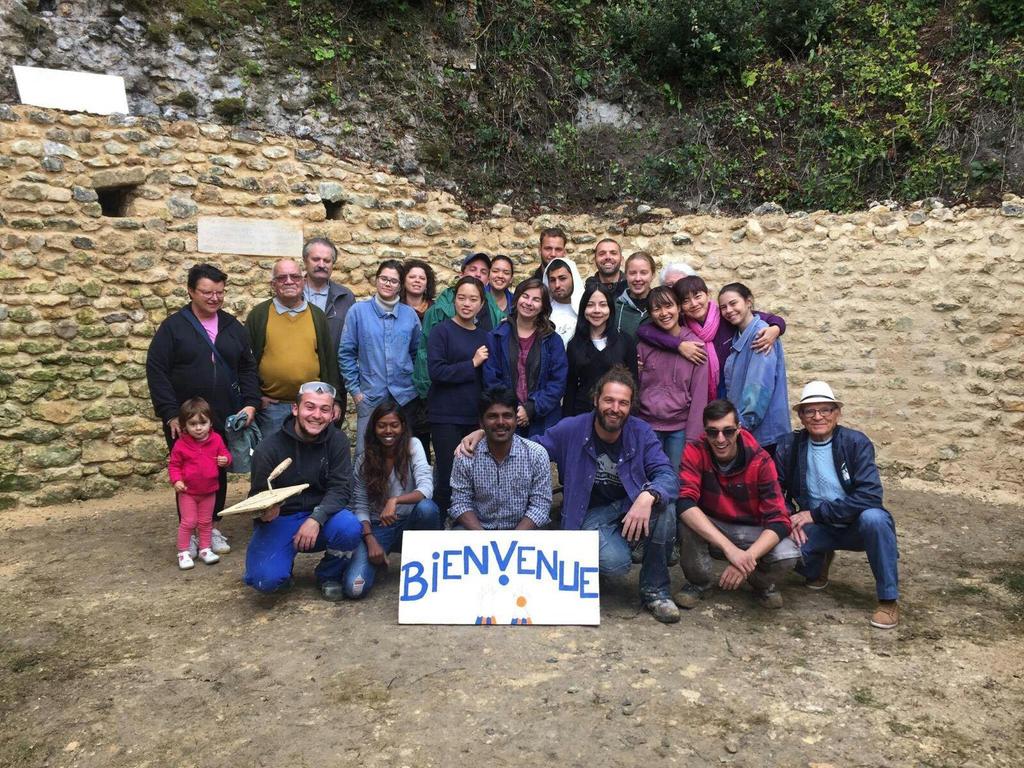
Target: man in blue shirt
378, 347
829, 475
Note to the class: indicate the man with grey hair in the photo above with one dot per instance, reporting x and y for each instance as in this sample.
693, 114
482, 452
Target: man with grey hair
291, 343
677, 270
319, 256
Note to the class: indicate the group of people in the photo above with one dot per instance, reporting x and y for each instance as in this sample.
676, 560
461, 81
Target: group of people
665, 410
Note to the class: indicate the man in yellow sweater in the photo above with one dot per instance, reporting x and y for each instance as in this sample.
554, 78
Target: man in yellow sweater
292, 344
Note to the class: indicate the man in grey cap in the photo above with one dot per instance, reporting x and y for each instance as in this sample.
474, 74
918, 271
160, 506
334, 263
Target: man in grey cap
828, 473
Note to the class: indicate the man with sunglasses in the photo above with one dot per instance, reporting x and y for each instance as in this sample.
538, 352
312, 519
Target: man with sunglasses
828, 473
291, 341
730, 506
315, 520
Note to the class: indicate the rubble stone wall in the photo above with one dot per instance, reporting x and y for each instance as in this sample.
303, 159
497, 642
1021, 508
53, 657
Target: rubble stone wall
915, 317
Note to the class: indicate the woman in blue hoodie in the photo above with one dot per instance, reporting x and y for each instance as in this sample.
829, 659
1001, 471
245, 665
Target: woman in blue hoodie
528, 357
754, 383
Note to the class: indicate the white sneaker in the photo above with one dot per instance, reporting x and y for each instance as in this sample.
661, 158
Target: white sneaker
208, 556
193, 547
185, 560
220, 543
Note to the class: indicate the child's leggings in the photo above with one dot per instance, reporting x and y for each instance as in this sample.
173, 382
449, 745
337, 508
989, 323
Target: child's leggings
196, 512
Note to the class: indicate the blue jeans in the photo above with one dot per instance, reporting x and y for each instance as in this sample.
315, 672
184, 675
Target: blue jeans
873, 532
614, 551
361, 573
271, 553
672, 443
271, 418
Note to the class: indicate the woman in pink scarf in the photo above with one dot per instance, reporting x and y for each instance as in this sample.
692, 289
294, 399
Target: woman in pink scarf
715, 336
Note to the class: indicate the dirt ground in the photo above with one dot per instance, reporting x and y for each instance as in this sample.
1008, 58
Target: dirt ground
109, 656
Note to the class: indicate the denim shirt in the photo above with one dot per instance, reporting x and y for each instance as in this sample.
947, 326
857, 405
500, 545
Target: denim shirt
377, 351
756, 385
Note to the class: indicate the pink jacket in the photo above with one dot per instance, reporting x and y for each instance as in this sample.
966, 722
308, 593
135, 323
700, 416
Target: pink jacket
196, 463
673, 391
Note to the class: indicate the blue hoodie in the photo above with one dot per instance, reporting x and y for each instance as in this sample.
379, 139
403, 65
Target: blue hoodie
756, 385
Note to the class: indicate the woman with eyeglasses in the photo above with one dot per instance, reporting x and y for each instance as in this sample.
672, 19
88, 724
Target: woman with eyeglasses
378, 347
754, 383
391, 494
595, 348
528, 357
202, 351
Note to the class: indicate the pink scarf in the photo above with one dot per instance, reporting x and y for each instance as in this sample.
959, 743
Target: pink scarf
707, 333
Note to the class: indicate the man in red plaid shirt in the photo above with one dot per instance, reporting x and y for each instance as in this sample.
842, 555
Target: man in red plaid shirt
730, 506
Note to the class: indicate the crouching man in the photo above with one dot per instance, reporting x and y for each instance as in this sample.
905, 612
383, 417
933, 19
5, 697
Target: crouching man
730, 506
315, 520
828, 473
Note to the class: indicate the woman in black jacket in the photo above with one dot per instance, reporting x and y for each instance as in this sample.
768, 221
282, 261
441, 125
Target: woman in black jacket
594, 349
181, 365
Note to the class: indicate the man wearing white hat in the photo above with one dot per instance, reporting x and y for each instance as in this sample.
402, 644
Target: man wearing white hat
828, 473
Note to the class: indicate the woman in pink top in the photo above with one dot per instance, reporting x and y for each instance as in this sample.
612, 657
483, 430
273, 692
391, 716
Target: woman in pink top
194, 468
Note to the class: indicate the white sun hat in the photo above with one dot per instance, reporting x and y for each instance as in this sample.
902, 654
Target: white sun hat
817, 392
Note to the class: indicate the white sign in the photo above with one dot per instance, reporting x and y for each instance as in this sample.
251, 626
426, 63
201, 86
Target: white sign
499, 577
249, 237
73, 91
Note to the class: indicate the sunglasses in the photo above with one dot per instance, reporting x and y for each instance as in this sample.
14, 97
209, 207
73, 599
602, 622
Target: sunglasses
317, 388
729, 432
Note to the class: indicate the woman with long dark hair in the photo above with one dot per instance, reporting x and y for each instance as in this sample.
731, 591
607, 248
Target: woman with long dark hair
528, 357
456, 352
391, 494
419, 287
594, 349
754, 383
673, 391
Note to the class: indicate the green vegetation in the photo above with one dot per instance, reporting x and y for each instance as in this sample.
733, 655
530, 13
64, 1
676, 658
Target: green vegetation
810, 103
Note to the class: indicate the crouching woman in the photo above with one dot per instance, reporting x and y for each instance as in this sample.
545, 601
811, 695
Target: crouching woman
391, 494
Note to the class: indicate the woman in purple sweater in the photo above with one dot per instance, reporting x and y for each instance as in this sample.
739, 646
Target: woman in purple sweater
456, 350
714, 335
673, 391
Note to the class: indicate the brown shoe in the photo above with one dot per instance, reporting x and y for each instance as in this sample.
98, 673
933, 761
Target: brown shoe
886, 615
822, 581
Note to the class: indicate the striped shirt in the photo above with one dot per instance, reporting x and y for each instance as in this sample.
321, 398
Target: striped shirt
502, 494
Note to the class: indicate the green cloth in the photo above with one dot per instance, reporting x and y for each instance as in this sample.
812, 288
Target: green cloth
442, 309
627, 315
256, 325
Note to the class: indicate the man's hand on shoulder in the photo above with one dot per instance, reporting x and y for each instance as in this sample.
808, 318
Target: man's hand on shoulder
469, 444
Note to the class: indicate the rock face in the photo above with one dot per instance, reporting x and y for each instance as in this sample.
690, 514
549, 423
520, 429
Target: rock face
915, 321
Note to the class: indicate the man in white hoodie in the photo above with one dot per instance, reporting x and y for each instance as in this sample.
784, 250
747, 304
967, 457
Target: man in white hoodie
565, 285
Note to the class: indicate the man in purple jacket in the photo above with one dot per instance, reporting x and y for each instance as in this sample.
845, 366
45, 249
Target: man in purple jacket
617, 481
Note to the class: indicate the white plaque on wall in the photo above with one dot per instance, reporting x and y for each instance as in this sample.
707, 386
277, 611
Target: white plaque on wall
249, 237
73, 91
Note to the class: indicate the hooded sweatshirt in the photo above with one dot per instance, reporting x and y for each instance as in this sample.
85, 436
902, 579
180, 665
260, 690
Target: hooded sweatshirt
564, 315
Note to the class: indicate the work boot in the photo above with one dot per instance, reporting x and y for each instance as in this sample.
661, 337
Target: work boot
768, 597
690, 595
663, 610
822, 581
886, 615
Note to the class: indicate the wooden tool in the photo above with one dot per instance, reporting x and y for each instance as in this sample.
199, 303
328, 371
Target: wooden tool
268, 498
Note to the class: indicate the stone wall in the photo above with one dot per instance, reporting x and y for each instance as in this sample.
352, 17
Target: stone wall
913, 316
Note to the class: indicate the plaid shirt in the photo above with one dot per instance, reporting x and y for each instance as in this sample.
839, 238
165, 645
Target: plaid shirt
502, 494
748, 496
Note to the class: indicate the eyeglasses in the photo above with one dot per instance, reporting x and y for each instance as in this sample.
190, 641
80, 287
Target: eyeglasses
729, 432
210, 294
388, 280
288, 278
318, 388
827, 410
